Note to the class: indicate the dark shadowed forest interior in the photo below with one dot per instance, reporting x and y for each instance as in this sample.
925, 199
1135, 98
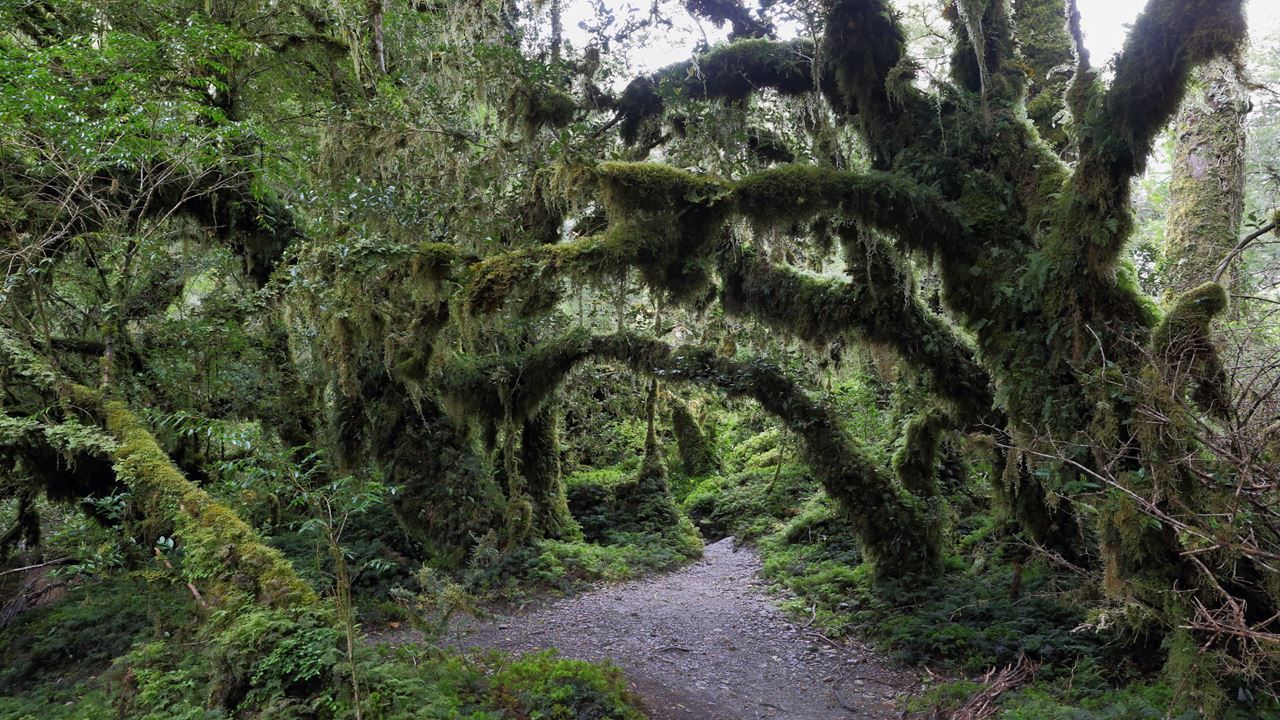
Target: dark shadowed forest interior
434, 359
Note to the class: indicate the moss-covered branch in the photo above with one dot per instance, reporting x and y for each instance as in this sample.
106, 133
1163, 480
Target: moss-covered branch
667, 223
731, 73
734, 12
1184, 353
915, 460
873, 306
916, 216
1046, 48
1168, 40
873, 77
1206, 192
896, 529
222, 554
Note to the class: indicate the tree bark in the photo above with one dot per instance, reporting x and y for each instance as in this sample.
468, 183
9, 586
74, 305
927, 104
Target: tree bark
1206, 198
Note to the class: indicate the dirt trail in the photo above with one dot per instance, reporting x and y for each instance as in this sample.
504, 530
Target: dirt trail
707, 642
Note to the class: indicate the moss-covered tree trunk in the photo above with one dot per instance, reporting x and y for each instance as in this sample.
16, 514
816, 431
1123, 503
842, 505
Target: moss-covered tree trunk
697, 453
540, 466
1206, 194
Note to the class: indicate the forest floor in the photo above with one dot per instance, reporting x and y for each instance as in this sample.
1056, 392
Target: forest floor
707, 642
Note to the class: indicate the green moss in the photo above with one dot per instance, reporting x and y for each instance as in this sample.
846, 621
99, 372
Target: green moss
1184, 351
731, 72
916, 216
540, 467
221, 552
697, 454
433, 264
528, 279
542, 106
915, 462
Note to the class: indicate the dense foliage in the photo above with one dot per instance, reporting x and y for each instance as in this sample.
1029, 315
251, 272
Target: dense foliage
323, 317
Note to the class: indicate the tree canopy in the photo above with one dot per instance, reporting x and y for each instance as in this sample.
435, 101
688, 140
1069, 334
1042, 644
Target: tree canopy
363, 269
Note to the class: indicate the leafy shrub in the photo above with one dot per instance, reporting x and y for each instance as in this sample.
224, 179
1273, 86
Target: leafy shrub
84, 631
543, 685
750, 503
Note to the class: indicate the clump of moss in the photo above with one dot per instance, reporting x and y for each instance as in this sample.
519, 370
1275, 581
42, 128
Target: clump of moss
768, 146
529, 278
915, 462
731, 73
433, 263
664, 221
539, 106
697, 453
1184, 350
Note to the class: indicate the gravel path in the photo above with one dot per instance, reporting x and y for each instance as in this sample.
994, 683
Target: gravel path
707, 642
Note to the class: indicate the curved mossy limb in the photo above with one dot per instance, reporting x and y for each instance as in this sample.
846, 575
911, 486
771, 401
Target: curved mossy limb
731, 73
1183, 351
1117, 132
540, 467
873, 306
898, 531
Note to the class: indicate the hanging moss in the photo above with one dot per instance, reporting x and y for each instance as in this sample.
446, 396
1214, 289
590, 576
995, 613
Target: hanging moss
666, 222
539, 106
731, 73
432, 264
768, 146
417, 446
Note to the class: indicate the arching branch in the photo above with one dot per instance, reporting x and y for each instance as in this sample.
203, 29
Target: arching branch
1167, 41
874, 307
731, 73
896, 530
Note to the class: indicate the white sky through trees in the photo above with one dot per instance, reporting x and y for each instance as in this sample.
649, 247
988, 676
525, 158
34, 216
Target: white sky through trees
1105, 23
